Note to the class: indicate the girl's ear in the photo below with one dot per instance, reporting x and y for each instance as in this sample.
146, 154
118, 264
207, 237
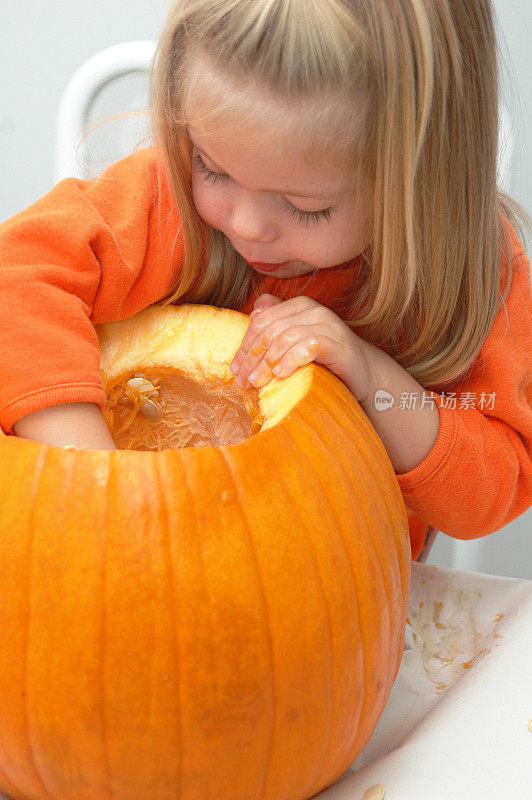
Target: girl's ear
265, 301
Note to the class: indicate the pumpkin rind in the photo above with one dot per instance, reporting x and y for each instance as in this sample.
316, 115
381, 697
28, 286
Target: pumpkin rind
211, 622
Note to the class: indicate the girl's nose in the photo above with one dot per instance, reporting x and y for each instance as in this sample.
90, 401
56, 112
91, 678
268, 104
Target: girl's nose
251, 218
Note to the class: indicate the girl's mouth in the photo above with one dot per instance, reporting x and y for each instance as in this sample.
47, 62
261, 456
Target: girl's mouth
264, 266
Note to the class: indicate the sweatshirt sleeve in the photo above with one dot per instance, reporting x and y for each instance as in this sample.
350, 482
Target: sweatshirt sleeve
89, 251
478, 475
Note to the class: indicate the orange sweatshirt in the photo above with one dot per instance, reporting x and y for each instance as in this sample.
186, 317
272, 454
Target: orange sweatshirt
94, 251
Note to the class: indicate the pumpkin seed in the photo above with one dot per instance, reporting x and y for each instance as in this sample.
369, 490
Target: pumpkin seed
375, 792
70, 447
134, 383
530, 724
153, 411
142, 384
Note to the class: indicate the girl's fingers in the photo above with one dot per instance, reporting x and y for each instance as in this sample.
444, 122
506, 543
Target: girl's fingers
311, 348
284, 310
265, 301
269, 346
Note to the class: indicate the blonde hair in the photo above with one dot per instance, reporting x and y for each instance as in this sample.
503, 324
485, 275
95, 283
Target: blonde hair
427, 71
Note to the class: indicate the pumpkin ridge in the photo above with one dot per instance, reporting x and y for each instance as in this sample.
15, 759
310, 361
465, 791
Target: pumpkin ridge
401, 543
16, 471
311, 427
112, 463
158, 466
197, 536
317, 784
44, 456
227, 457
312, 787
376, 475
391, 573
379, 546
352, 408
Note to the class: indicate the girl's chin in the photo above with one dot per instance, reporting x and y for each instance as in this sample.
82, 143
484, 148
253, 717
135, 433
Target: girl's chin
287, 268
291, 269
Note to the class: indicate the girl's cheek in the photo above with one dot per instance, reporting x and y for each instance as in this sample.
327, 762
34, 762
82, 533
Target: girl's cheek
207, 205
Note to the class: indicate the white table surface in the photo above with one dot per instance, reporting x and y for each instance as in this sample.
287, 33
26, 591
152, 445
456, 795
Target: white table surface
456, 723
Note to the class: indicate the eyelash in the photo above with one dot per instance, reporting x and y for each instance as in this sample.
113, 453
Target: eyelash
297, 213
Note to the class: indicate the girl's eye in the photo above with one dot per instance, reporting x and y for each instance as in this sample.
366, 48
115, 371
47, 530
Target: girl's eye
301, 216
307, 216
214, 177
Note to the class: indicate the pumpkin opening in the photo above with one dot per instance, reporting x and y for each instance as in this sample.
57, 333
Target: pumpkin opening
166, 376
178, 411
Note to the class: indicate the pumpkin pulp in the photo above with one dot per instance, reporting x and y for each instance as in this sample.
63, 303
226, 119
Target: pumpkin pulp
193, 414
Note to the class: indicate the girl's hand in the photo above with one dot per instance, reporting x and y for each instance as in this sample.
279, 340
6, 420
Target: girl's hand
286, 334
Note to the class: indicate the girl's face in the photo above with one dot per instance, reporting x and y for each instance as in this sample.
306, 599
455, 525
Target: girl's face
271, 204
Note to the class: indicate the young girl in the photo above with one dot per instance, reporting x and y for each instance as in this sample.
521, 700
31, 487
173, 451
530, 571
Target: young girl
329, 165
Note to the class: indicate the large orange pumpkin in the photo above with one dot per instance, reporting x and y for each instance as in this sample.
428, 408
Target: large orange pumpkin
216, 622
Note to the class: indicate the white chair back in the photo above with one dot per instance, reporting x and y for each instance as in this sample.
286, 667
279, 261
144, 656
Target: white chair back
80, 94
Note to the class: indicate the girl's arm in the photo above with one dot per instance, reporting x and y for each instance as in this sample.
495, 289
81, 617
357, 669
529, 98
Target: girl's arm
408, 431
87, 252
78, 424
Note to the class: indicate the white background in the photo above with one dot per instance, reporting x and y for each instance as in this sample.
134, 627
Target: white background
43, 44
